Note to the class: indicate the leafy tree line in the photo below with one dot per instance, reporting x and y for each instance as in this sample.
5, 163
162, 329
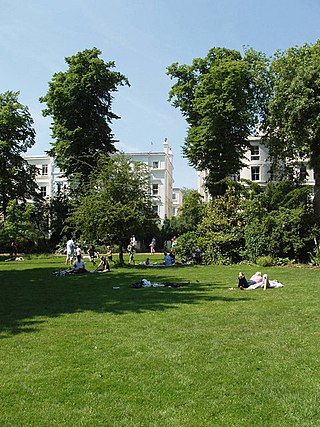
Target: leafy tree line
222, 97
247, 223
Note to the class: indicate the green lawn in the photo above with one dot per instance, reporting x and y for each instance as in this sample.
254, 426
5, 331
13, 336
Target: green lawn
75, 352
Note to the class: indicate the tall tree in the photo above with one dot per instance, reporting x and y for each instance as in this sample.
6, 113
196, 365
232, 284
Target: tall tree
79, 101
221, 97
117, 203
16, 136
189, 214
293, 122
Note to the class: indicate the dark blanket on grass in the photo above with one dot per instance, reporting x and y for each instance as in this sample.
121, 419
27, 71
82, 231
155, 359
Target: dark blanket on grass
144, 283
186, 264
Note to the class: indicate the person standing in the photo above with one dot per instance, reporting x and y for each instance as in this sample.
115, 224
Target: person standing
14, 249
133, 242
130, 249
78, 250
109, 253
153, 246
70, 251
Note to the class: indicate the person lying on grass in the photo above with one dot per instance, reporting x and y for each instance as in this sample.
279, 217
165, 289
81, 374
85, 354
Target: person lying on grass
18, 258
257, 281
103, 267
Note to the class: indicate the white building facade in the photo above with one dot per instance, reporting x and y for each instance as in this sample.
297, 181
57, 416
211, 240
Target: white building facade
177, 199
160, 165
257, 167
49, 177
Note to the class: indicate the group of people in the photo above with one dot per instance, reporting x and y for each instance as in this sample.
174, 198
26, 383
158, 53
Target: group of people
75, 259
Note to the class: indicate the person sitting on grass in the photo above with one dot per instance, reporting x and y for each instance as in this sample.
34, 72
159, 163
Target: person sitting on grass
103, 267
167, 259
78, 266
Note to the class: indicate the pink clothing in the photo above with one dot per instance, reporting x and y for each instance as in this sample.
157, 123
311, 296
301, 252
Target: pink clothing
257, 278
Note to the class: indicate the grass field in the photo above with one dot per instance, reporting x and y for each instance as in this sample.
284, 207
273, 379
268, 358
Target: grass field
76, 352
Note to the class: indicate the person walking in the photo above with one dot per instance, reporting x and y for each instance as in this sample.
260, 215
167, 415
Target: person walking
153, 246
70, 251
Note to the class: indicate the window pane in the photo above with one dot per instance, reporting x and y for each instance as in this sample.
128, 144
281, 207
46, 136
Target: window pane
255, 152
43, 191
255, 173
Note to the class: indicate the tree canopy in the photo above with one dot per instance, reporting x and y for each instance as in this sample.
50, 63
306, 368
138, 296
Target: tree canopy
16, 136
222, 97
117, 202
293, 121
79, 101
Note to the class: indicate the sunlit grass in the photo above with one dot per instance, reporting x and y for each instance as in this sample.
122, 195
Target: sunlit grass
76, 352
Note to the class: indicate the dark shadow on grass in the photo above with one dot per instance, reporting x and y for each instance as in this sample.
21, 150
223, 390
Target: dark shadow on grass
28, 295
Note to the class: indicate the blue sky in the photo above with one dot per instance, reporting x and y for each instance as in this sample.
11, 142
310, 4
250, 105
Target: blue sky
143, 37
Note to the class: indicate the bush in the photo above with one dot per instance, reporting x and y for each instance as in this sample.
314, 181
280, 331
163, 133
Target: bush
282, 261
186, 246
256, 240
264, 261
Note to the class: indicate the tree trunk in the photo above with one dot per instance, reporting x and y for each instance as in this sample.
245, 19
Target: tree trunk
121, 260
316, 200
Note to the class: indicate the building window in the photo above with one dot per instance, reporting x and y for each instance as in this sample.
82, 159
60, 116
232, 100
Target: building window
155, 209
44, 170
255, 152
174, 196
155, 189
43, 191
155, 165
174, 211
255, 173
59, 187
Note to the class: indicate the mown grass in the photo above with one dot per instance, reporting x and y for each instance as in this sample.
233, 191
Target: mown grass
75, 352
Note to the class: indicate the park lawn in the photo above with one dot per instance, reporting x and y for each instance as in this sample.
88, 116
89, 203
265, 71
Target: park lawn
76, 352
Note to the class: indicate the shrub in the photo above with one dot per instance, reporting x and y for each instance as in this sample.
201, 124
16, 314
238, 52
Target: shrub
186, 245
264, 261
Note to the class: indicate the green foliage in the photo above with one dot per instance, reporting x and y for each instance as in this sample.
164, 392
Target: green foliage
293, 126
220, 234
256, 241
59, 211
17, 226
282, 261
116, 204
279, 222
220, 96
188, 218
16, 136
79, 101
186, 246
264, 261
315, 254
